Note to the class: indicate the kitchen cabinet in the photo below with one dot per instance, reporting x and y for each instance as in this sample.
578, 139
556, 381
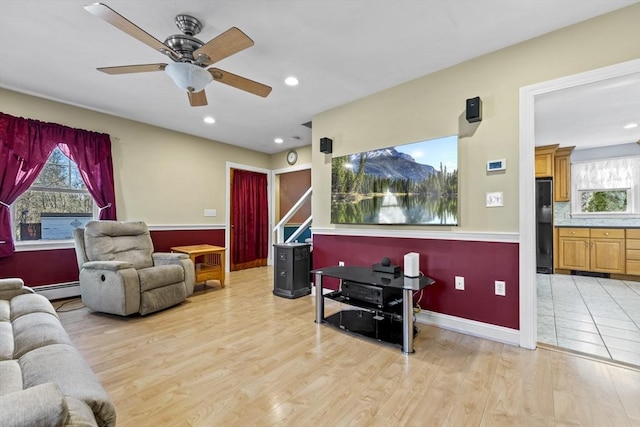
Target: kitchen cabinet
592, 249
562, 174
545, 160
633, 251
607, 250
573, 249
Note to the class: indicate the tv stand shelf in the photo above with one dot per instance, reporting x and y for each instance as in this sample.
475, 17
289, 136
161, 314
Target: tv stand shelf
390, 322
391, 309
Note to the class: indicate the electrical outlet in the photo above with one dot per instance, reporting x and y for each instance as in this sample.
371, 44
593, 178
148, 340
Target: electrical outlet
501, 288
340, 263
209, 212
460, 283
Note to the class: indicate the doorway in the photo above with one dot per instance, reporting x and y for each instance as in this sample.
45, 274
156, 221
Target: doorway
527, 255
290, 186
247, 235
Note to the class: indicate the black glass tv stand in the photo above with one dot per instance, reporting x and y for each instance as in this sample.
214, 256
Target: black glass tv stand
384, 305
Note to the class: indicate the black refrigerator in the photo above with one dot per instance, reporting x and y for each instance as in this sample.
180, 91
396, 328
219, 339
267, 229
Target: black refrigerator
544, 225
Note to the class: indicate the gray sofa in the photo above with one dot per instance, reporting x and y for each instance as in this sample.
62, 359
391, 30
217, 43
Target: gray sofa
44, 381
120, 273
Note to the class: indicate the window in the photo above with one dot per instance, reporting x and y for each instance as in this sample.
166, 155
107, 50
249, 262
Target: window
613, 201
56, 203
606, 187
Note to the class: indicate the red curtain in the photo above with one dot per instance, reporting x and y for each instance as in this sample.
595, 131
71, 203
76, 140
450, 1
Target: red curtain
25, 146
250, 220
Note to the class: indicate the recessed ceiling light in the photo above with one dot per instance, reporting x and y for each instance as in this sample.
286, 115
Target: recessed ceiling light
291, 81
278, 140
630, 126
209, 120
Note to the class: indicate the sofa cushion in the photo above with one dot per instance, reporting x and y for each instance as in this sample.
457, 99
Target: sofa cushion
11, 377
5, 310
35, 330
80, 414
6, 341
63, 365
6, 331
42, 405
119, 241
159, 276
30, 303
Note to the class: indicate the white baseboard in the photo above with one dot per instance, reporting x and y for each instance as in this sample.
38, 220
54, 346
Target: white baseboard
59, 291
458, 324
470, 327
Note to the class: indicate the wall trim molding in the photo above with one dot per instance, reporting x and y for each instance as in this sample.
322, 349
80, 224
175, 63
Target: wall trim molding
470, 327
418, 234
48, 245
179, 227
41, 245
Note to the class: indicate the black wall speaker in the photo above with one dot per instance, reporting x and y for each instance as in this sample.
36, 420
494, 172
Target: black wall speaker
474, 110
326, 145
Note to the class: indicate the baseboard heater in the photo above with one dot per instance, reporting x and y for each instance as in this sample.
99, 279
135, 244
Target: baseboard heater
59, 290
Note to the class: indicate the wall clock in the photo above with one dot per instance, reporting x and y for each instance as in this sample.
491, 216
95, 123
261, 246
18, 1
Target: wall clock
292, 157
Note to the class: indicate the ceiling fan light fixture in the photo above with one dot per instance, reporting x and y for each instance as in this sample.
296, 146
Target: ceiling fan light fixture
188, 76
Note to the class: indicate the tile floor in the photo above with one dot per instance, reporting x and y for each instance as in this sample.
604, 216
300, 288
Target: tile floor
600, 317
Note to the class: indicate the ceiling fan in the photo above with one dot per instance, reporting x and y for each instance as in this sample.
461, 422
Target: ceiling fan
190, 56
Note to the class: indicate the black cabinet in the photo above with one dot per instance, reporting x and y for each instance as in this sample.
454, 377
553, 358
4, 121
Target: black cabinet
291, 271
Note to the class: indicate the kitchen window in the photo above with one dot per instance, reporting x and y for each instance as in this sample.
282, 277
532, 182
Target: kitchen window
606, 187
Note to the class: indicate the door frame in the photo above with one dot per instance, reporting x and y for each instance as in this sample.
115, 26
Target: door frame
274, 196
527, 255
227, 229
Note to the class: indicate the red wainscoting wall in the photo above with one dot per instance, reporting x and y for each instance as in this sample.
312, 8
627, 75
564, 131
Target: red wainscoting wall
39, 268
164, 240
50, 267
480, 263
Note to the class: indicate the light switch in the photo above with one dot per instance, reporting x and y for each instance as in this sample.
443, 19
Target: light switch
494, 199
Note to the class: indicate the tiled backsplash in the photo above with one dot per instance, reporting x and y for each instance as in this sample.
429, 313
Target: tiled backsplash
562, 217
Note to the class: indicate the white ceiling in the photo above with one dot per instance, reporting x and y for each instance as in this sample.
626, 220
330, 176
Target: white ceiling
340, 50
590, 115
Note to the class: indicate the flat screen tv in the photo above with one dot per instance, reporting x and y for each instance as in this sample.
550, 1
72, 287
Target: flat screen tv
410, 184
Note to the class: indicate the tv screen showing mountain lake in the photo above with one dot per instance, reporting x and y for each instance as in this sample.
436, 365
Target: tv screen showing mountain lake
413, 183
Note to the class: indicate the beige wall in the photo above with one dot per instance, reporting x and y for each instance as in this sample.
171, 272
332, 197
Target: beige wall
279, 160
161, 177
433, 106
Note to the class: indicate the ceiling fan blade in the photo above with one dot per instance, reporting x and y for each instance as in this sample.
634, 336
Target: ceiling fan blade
126, 69
114, 18
240, 82
226, 44
197, 99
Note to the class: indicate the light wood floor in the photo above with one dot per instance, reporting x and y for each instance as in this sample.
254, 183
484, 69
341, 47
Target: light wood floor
240, 356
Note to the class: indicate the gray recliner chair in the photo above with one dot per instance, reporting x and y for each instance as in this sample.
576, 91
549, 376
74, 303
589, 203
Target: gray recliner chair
120, 273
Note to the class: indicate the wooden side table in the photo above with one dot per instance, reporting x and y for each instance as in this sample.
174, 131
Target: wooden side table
209, 261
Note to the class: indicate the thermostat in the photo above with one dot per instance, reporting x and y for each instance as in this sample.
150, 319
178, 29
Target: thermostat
496, 165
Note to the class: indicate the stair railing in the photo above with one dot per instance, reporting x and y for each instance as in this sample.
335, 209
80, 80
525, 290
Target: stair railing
279, 228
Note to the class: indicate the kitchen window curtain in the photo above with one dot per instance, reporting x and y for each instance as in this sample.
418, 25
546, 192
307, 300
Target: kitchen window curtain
25, 146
